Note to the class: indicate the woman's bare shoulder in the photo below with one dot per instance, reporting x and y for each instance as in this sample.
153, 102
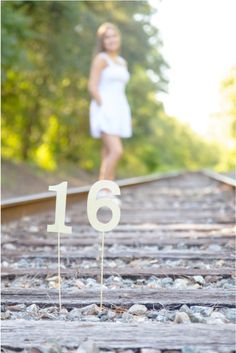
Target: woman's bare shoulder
100, 60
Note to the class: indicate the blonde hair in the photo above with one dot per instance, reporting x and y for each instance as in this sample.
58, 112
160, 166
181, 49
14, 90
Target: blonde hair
101, 31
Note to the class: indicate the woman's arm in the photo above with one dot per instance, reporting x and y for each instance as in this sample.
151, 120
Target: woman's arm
97, 66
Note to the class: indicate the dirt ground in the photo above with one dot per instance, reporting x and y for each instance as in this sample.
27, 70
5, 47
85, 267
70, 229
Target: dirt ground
18, 179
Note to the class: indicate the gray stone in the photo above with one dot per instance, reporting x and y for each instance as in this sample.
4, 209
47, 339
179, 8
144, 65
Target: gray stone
33, 310
17, 307
91, 282
230, 313
104, 317
126, 317
111, 315
170, 315
197, 317
190, 349
194, 316
165, 315
167, 281
203, 310
137, 309
184, 308
113, 279
128, 282
88, 347
46, 315
6, 315
75, 313
91, 318
91, 309
49, 347
153, 314
23, 263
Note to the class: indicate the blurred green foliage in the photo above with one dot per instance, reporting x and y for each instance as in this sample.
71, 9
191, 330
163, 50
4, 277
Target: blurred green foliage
46, 57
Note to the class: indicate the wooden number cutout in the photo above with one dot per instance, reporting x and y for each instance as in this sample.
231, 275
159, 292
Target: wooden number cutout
59, 224
93, 205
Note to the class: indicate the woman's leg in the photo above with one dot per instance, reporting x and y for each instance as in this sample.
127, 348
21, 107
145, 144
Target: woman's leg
112, 151
104, 154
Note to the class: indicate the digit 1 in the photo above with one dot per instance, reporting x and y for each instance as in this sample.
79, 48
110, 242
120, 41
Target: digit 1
59, 224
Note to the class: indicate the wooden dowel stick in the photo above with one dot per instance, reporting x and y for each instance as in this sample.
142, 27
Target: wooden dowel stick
59, 269
102, 257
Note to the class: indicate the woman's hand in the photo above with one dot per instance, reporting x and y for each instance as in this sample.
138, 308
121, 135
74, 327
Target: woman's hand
99, 101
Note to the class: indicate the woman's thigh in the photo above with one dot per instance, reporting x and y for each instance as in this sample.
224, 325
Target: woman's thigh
111, 142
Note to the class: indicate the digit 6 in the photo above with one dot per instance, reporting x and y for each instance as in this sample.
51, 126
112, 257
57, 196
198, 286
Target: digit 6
94, 204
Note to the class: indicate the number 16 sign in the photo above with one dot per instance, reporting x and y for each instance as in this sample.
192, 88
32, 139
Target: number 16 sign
93, 205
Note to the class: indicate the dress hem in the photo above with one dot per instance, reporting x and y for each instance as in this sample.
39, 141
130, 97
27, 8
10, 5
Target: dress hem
109, 133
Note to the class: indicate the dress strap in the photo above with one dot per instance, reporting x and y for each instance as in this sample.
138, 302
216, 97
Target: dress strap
106, 57
121, 59
112, 62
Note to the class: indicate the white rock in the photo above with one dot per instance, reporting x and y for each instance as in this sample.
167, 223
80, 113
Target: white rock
33, 229
181, 283
218, 315
9, 246
88, 347
181, 317
214, 247
137, 309
199, 279
79, 284
111, 314
213, 321
91, 318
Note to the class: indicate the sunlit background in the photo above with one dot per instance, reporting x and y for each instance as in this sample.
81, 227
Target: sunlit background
199, 45
182, 58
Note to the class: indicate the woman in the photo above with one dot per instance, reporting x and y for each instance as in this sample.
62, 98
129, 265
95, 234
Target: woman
110, 115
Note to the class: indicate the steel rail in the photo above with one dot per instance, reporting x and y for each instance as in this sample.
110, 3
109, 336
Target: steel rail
219, 177
18, 207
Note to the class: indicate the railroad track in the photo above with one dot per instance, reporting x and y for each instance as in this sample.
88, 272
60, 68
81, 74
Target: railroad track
168, 270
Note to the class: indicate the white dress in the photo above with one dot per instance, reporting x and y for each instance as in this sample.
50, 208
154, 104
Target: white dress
113, 116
